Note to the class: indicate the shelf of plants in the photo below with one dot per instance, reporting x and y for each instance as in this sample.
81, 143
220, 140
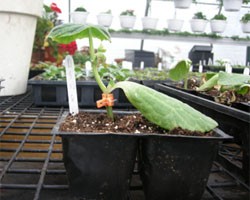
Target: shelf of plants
32, 166
180, 37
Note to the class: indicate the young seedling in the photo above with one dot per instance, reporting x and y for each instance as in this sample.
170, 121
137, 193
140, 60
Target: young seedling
180, 72
160, 109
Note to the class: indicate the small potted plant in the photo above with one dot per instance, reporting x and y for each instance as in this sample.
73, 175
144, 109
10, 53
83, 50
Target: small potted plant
149, 23
79, 15
175, 24
127, 19
218, 23
105, 18
182, 3
92, 158
232, 5
245, 23
198, 22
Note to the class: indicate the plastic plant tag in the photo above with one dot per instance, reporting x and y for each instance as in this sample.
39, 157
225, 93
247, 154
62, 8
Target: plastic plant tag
127, 65
200, 67
71, 85
246, 71
210, 62
191, 68
88, 68
159, 66
141, 65
228, 68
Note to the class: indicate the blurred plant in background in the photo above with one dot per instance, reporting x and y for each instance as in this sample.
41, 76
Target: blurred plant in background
44, 49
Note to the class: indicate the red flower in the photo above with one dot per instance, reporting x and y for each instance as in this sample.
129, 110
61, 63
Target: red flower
54, 7
70, 48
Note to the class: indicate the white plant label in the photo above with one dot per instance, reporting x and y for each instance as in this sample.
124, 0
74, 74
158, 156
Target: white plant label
246, 71
127, 65
71, 85
141, 65
191, 68
228, 69
160, 66
200, 67
88, 68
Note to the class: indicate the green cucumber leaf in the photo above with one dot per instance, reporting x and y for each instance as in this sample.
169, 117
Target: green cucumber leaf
165, 111
180, 71
209, 84
69, 32
232, 79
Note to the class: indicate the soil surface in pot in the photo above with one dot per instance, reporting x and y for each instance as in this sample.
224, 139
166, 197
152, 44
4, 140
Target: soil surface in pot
226, 97
128, 123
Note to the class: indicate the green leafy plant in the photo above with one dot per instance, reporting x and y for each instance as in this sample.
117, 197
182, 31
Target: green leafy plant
44, 24
80, 9
80, 58
150, 73
158, 108
199, 15
114, 73
245, 18
220, 17
225, 83
53, 72
180, 72
128, 13
40, 65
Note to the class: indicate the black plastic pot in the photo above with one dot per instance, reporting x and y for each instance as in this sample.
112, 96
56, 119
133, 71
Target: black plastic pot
33, 73
98, 166
177, 167
232, 121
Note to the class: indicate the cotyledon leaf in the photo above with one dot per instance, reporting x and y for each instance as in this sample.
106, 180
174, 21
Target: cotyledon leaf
66, 33
209, 84
165, 111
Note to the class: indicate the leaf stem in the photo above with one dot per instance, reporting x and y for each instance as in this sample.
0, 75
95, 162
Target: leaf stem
185, 83
96, 74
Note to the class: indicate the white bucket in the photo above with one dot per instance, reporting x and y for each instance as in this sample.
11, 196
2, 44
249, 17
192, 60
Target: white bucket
18, 24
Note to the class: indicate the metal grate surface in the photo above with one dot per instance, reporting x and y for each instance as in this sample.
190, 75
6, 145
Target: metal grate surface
31, 158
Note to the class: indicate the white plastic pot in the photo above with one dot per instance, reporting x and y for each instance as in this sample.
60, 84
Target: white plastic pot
175, 24
18, 24
127, 22
79, 17
183, 4
104, 19
245, 27
232, 5
218, 26
198, 25
149, 23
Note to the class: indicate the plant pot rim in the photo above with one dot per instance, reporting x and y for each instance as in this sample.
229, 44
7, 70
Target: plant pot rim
173, 19
85, 12
56, 131
201, 20
218, 136
11, 7
227, 110
107, 14
147, 17
218, 20
125, 16
35, 81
